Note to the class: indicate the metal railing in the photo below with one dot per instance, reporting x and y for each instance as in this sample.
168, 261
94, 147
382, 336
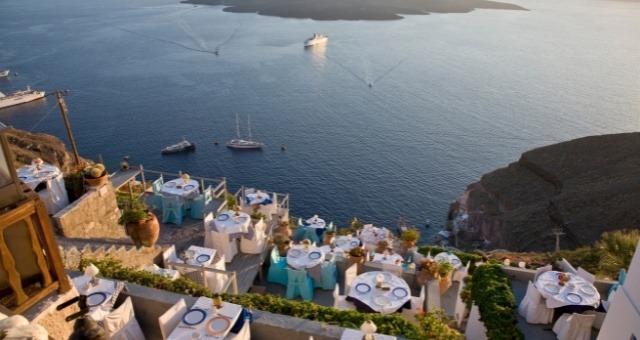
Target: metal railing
203, 269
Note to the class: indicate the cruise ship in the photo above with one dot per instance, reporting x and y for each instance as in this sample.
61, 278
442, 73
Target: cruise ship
19, 97
316, 40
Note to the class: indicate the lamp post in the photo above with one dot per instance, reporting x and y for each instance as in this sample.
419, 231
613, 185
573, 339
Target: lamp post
368, 328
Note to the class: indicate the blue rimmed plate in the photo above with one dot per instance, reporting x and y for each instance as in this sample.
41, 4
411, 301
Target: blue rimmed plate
96, 299
551, 288
400, 292
203, 258
575, 298
241, 219
314, 255
223, 217
354, 243
363, 288
294, 253
22, 177
188, 187
194, 316
170, 184
455, 261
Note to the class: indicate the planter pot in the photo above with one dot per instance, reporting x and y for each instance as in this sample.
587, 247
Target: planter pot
424, 277
445, 283
145, 233
93, 182
406, 245
326, 240
282, 249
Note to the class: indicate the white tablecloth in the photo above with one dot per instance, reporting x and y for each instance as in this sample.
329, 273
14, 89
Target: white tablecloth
258, 198
346, 243
199, 260
390, 302
55, 195
448, 257
315, 222
372, 235
176, 187
302, 260
389, 259
577, 291
228, 222
184, 331
173, 274
105, 286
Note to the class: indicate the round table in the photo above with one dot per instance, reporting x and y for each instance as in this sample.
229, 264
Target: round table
315, 222
577, 291
448, 257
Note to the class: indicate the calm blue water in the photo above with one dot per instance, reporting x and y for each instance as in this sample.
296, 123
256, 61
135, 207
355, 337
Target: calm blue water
453, 96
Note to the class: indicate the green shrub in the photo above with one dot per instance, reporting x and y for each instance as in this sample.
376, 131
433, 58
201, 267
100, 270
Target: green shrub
464, 257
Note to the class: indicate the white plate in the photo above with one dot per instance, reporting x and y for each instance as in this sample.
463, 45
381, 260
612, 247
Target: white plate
381, 300
314, 255
223, 217
363, 288
203, 258
400, 292
95, 299
588, 290
575, 298
551, 288
294, 253
170, 184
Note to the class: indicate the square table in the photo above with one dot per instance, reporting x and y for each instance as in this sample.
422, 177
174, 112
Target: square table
186, 191
228, 223
98, 297
227, 315
395, 259
202, 256
364, 291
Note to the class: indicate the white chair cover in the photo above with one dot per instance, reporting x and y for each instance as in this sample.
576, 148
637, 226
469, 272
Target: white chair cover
462, 272
220, 242
533, 307
171, 318
215, 281
244, 334
340, 301
121, 323
170, 255
574, 326
255, 245
542, 270
393, 269
586, 275
416, 302
208, 219
349, 275
566, 266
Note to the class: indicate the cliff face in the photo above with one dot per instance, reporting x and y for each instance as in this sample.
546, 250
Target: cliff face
587, 186
27, 146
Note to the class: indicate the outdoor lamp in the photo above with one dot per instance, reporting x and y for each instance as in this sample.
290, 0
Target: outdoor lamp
368, 328
91, 271
124, 165
506, 262
521, 264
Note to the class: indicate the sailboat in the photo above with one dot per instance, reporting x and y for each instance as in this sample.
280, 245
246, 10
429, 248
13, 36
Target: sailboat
239, 143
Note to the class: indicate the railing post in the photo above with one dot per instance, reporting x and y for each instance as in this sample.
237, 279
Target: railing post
144, 182
235, 283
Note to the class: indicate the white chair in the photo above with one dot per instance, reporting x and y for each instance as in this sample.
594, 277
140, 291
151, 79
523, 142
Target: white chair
208, 219
393, 269
349, 275
257, 243
606, 304
170, 256
533, 308
416, 302
599, 319
121, 323
220, 242
340, 301
171, 318
243, 334
461, 273
417, 257
566, 267
574, 326
541, 270
586, 275
215, 281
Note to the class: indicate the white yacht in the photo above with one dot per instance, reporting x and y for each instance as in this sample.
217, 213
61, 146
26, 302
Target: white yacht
185, 145
19, 97
316, 40
4, 73
239, 143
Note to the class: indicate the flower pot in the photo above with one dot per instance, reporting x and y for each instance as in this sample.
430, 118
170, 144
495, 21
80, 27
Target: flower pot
145, 233
94, 182
327, 238
445, 283
282, 249
406, 245
426, 276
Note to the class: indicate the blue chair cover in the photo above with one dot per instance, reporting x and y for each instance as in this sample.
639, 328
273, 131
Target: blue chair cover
622, 276
244, 316
171, 210
277, 272
299, 284
329, 275
301, 233
200, 203
157, 192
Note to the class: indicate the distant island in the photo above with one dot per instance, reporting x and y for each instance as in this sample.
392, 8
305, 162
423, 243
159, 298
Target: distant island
353, 9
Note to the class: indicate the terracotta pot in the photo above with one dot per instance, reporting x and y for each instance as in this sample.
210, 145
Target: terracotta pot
445, 283
93, 182
282, 249
424, 277
145, 233
406, 245
326, 240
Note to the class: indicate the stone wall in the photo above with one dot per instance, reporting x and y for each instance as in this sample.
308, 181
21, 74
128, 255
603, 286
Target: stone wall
130, 256
94, 215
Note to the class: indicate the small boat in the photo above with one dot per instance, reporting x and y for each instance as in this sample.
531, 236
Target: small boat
4, 73
185, 145
239, 143
316, 39
19, 97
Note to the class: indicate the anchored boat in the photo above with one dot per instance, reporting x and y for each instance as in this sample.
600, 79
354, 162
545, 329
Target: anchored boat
19, 97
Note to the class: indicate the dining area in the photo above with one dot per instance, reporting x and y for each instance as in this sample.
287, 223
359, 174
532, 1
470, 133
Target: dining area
47, 181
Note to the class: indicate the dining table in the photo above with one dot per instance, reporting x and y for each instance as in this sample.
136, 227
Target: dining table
309, 259
388, 258
233, 224
258, 198
575, 292
315, 222
346, 243
202, 321
47, 180
446, 256
99, 297
186, 190
393, 294
372, 235
199, 256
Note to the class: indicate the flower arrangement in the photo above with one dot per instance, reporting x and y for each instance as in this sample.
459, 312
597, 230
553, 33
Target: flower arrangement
410, 235
37, 163
357, 252
306, 243
429, 267
185, 178
95, 171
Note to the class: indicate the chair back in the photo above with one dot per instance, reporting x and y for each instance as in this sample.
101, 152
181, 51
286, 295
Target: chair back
393, 269
121, 323
296, 276
275, 257
336, 292
541, 270
586, 275
349, 275
208, 195
170, 202
156, 185
566, 266
171, 318
170, 255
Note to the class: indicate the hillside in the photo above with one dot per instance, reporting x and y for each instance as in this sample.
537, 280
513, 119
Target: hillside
587, 186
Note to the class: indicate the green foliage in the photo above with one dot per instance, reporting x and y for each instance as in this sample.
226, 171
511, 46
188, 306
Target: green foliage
355, 225
432, 327
231, 201
133, 211
492, 293
410, 235
464, 257
257, 215
343, 231
444, 268
616, 249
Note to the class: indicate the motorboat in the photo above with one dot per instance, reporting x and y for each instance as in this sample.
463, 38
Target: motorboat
239, 143
185, 145
316, 39
19, 97
4, 73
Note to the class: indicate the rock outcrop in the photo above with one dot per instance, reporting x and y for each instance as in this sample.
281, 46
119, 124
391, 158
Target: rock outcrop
585, 186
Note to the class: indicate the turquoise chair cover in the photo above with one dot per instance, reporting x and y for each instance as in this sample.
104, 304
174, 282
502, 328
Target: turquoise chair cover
200, 203
157, 192
329, 275
299, 284
171, 210
312, 235
622, 276
277, 269
301, 233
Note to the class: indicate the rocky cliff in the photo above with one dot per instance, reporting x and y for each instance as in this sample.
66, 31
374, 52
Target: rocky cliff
27, 146
585, 186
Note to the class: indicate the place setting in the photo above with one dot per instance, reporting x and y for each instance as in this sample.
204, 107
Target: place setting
314, 255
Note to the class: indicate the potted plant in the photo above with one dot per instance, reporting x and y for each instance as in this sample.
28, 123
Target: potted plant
328, 237
355, 225
343, 232
284, 228
256, 216
445, 268
232, 203
74, 184
357, 255
382, 246
429, 270
409, 238
95, 175
282, 242
140, 223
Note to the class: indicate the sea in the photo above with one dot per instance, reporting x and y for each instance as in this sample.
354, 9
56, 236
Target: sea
388, 119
